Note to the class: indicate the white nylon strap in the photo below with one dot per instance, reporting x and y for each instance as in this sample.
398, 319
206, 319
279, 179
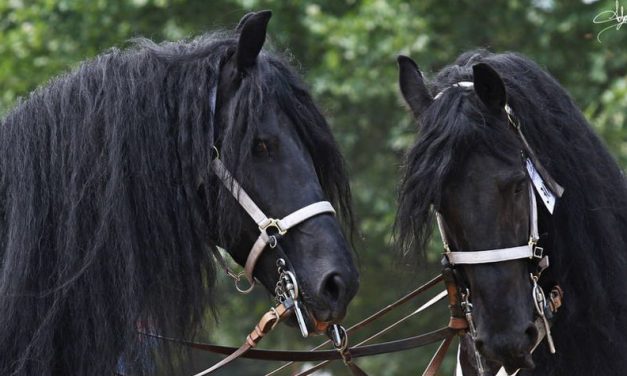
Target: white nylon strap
282, 225
239, 193
438, 218
493, 255
305, 213
255, 252
533, 216
458, 84
499, 254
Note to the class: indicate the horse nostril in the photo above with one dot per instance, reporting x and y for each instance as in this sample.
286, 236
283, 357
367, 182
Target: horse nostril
532, 333
333, 288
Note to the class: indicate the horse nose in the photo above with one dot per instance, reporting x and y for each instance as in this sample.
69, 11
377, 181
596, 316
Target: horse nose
512, 349
333, 293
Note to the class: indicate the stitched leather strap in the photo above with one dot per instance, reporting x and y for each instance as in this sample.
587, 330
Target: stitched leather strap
266, 324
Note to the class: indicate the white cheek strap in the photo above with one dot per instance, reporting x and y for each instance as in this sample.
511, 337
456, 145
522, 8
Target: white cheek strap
263, 222
528, 250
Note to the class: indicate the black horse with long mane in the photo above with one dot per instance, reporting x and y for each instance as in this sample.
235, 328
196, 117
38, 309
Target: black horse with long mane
468, 165
111, 212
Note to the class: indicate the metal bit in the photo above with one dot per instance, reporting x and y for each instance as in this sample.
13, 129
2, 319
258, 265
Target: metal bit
300, 319
539, 300
467, 306
336, 337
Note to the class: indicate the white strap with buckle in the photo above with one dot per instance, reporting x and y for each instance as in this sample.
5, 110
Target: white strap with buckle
499, 254
263, 222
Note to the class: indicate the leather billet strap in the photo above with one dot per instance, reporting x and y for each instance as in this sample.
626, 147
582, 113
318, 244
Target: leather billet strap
319, 355
499, 254
268, 321
281, 226
438, 357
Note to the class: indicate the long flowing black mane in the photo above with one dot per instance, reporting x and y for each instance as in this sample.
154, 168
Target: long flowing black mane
589, 228
109, 212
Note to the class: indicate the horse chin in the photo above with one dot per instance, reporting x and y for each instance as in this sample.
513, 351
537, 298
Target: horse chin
313, 325
522, 362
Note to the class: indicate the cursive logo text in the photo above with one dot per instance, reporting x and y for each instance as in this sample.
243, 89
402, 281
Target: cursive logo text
617, 16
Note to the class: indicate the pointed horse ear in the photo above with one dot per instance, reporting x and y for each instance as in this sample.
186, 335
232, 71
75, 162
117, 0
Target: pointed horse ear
252, 36
242, 21
412, 85
489, 86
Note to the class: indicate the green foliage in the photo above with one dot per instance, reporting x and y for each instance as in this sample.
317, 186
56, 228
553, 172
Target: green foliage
346, 49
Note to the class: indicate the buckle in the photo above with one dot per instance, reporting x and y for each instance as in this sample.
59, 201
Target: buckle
272, 222
538, 252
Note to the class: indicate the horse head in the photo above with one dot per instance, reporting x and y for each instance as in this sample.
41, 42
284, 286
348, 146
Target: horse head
270, 133
473, 161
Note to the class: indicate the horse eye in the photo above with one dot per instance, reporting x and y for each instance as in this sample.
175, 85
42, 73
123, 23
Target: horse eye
519, 186
260, 148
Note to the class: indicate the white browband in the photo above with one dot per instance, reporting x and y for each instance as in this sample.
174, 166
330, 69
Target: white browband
499, 254
280, 225
458, 84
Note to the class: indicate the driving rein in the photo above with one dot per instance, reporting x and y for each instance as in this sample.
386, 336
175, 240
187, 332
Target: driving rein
461, 320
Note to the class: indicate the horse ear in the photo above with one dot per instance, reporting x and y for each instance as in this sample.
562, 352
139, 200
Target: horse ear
412, 85
252, 37
489, 86
241, 22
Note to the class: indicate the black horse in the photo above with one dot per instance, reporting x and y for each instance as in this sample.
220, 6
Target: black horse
467, 165
111, 213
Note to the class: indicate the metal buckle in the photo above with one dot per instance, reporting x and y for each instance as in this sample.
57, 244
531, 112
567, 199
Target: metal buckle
272, 222
538, 252
217, 152
510, 117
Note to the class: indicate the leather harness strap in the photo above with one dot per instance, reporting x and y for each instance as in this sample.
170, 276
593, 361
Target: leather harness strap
266, 324
438, 357
380, 313
312, 356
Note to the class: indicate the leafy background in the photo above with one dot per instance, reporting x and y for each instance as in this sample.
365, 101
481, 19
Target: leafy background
346, 50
